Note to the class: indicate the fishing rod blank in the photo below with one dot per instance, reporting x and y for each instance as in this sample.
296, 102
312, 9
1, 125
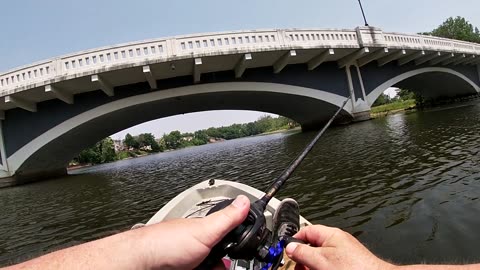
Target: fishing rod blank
275, 186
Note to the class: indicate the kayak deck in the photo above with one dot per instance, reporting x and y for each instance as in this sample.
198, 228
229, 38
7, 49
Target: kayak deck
198, 200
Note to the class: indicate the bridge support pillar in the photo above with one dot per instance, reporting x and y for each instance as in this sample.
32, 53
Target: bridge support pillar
361, 108
5, 175
478, 71
9, 180
361, 111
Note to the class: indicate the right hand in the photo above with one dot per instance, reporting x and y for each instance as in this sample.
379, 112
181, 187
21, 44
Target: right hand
332, 248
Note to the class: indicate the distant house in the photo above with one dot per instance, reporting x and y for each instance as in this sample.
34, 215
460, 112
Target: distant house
187, 138
146, 148
118, 145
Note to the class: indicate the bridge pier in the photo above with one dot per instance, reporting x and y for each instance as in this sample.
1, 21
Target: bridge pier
7, 180
361, 108
478, 71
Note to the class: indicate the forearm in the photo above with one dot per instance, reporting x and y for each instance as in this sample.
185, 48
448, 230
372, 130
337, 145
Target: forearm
439, 267
120, 251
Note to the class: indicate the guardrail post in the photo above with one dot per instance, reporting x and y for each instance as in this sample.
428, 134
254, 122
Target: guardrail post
370, 37
452, 45
171, 49
282, 38
57, 67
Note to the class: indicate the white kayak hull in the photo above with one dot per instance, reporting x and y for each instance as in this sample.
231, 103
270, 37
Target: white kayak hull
198, 200
194, 201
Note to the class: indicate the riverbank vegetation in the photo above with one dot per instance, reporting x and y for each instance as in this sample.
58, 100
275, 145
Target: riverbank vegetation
108, 150
404, 100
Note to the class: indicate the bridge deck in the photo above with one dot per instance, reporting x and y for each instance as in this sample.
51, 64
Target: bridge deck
192, 55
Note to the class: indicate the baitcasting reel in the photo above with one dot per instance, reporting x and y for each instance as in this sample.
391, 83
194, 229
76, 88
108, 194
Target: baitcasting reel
250, 240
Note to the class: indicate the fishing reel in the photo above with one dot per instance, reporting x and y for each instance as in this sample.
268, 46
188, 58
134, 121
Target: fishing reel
250, 240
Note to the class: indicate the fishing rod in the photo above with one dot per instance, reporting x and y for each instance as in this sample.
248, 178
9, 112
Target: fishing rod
252, 239
275, 186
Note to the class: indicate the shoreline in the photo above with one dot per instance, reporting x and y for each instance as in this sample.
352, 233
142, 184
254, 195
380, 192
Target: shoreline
82, 166
386, 113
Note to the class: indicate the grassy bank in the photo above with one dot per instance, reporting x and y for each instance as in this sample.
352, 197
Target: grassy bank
392, 107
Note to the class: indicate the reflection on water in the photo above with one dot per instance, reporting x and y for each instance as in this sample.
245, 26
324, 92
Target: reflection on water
405, 185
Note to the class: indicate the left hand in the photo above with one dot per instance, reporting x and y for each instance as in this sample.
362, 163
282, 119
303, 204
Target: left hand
183, 244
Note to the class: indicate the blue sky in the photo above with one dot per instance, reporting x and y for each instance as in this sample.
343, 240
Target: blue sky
34, 30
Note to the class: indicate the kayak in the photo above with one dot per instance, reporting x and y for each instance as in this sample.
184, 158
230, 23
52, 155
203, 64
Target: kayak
253, 244
196, 201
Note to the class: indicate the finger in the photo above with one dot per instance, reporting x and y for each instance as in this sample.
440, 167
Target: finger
316, 235
300, 266
215, 226
308, 256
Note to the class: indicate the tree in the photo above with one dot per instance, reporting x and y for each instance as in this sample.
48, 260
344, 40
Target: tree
131, 142
457, 28
405, 94
89, 155
381, 100
102, 152
148, 140
107, 150
200, 137
264, 123
173, 140
213, 132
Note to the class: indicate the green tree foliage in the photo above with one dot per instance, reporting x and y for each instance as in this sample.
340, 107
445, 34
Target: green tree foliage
104, 151
101, 152
173, 140
131, 142
457, 28
264, 124
200, 137
107, 151
146, 140
405, 94
381, 100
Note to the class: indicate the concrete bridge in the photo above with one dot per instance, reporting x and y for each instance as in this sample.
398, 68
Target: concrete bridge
53, 109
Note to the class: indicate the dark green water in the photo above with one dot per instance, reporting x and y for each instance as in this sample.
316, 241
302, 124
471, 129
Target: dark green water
408, 186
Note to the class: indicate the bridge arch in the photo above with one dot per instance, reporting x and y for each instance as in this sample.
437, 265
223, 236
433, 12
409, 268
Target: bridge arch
52, 150
467, 84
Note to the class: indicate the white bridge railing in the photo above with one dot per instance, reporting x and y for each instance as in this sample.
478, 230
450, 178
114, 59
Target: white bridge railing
161, 50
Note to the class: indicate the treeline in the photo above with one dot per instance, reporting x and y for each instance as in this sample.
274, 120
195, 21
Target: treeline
456, 28
264, 124
146, 143
402, 95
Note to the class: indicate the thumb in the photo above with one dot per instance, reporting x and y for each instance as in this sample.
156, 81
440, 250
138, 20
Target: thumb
309, 256
215, 226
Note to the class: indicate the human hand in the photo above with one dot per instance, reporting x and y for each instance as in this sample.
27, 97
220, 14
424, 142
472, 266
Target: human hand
184, 243
332, 248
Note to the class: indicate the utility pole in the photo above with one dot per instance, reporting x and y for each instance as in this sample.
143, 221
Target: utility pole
363, 13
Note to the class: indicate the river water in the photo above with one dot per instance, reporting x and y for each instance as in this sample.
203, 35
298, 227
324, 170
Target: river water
406, 185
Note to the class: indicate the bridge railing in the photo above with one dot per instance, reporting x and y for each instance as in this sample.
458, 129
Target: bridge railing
422, 42
159, 50
227, 42
115, 56
32, 74
322, 38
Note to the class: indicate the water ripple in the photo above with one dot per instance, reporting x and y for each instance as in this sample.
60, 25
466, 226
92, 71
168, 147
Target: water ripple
406, 185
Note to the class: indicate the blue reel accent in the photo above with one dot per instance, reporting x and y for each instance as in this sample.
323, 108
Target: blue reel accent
274, 254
